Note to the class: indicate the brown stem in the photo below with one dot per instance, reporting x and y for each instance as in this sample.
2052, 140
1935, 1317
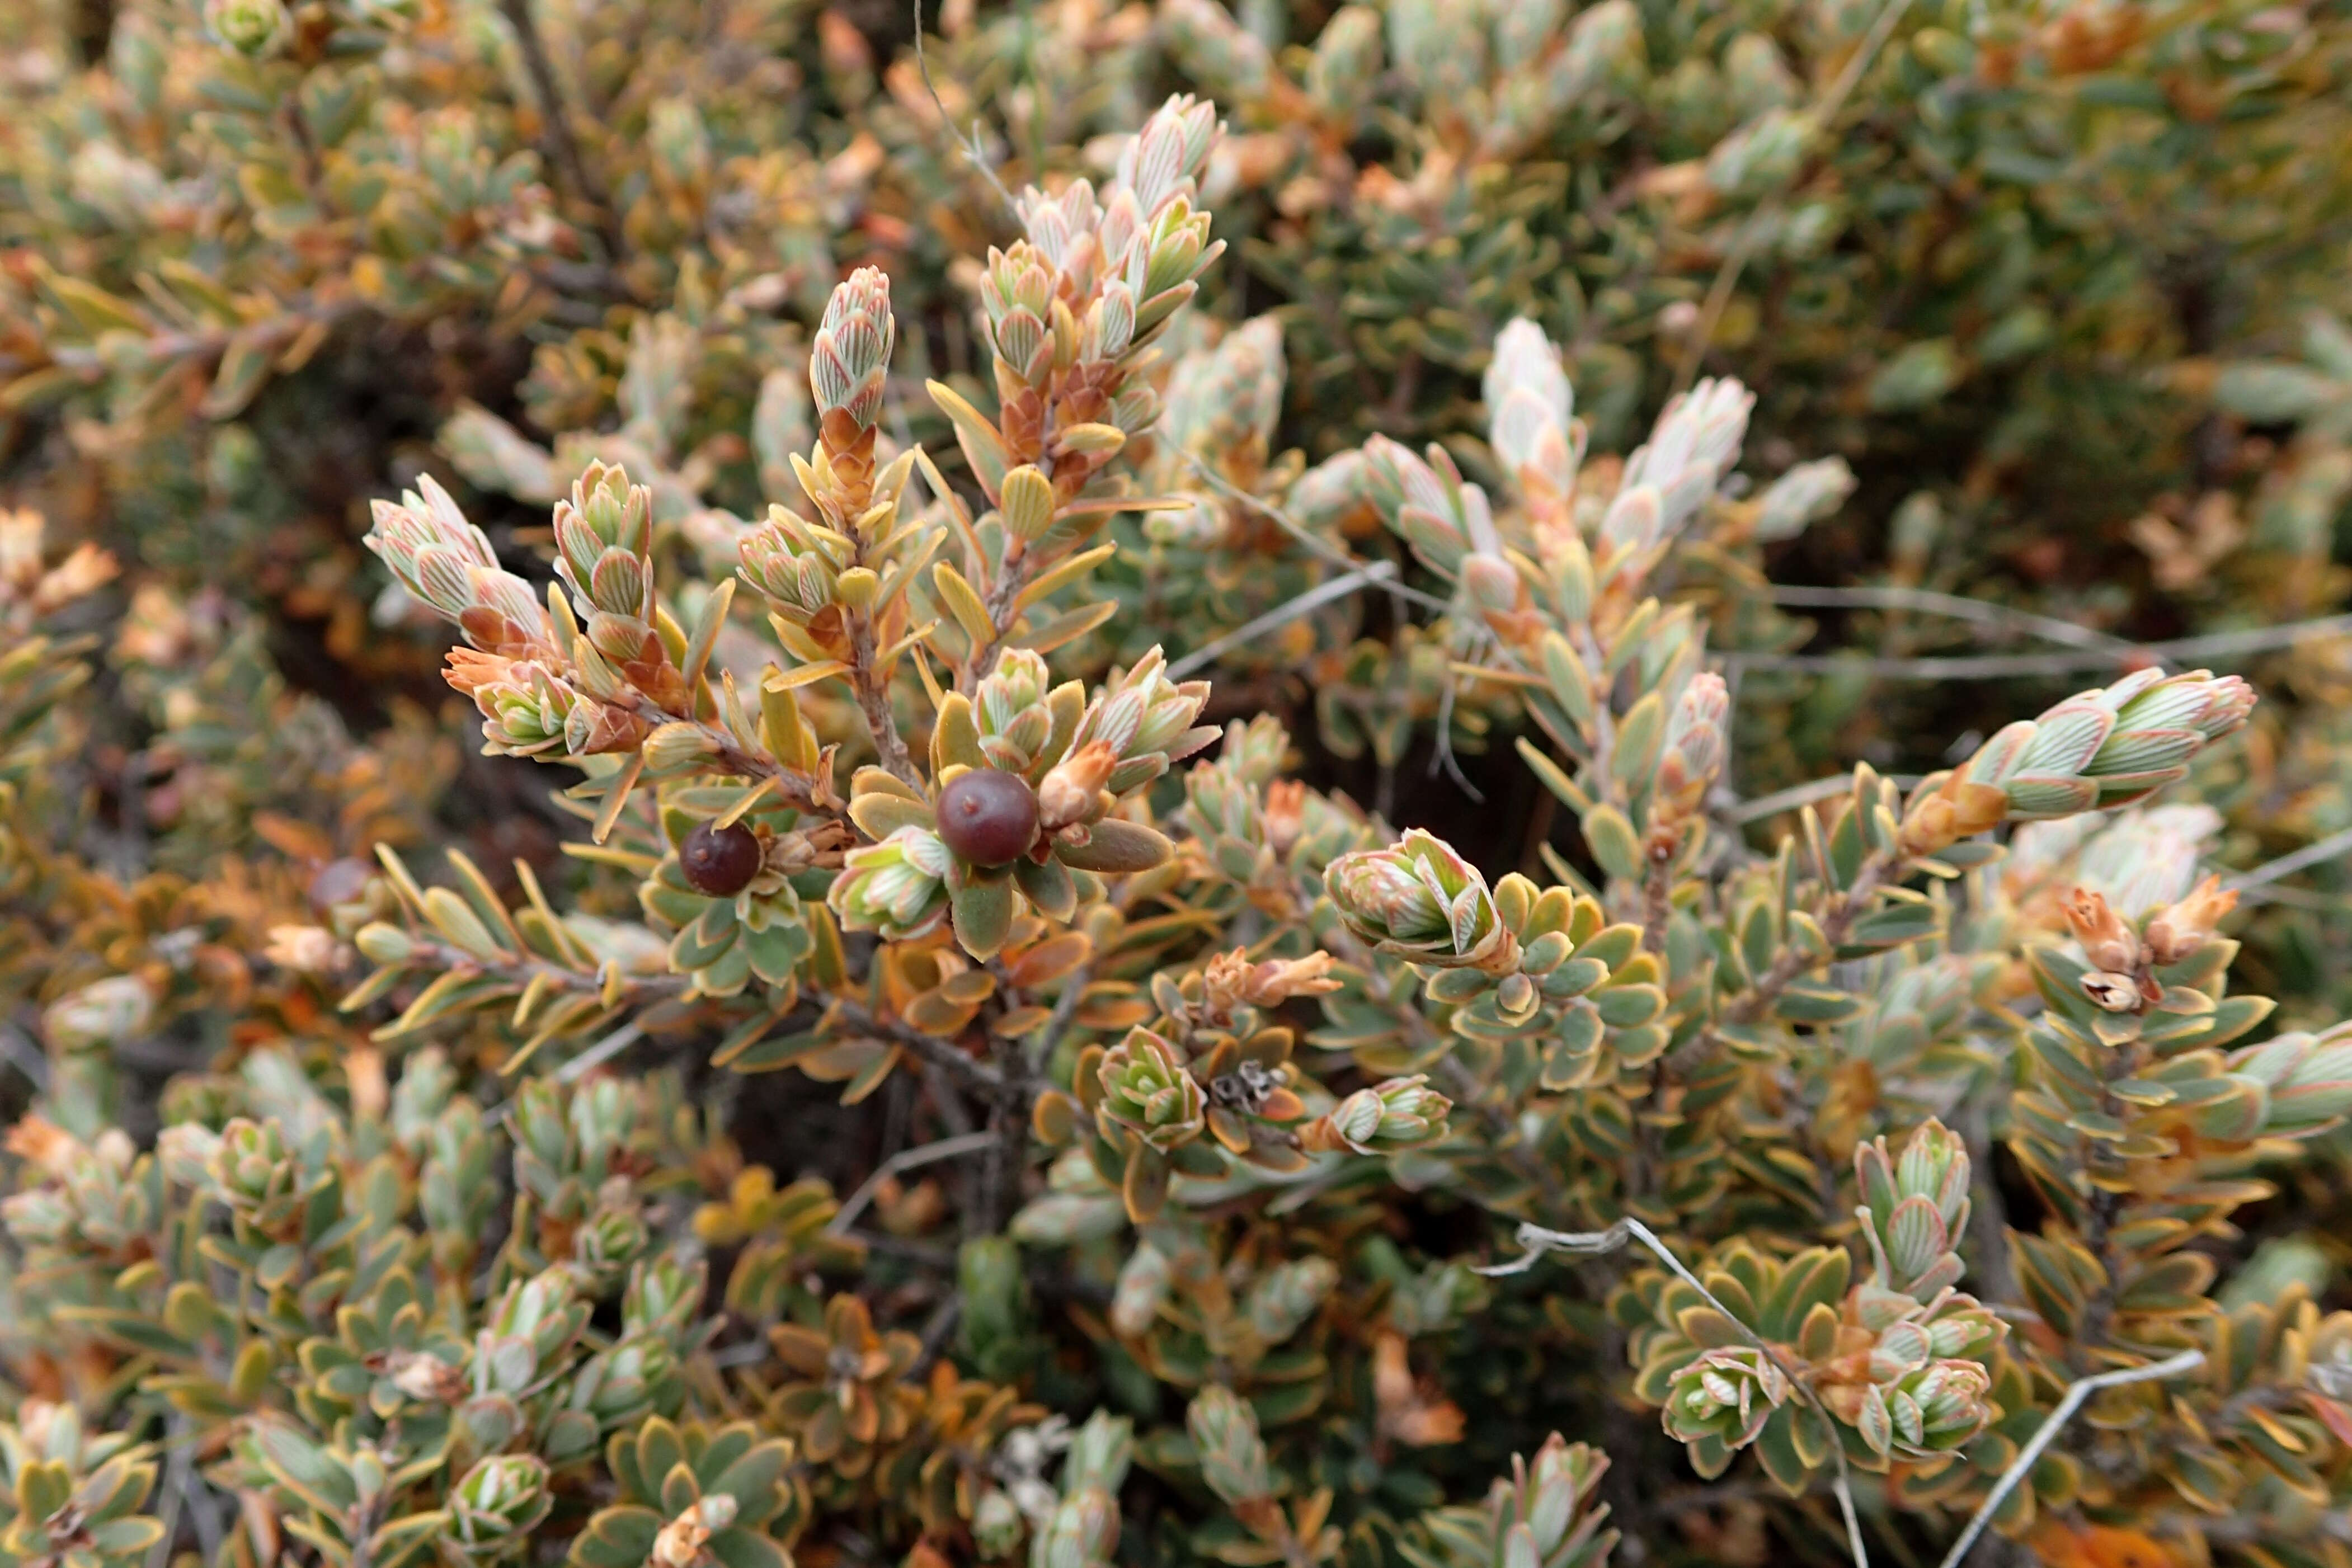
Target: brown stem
1643, 1180
1989, 1259
873, 689
2106, 1207
1657, 898
930, 1048
524, 969
1647, 1174
1467, 1091
1000, 1173
562, 147
161, 346
999, 602
306, 144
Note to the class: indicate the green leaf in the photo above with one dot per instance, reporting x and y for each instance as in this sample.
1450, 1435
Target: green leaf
1048, 885
1776, 1448
244, 366
617, 1538
1638, 735
747, 1549
1804, 1002
983, 915
1115, 847
1894, 925
1629, 1006
1609, 833
983, 448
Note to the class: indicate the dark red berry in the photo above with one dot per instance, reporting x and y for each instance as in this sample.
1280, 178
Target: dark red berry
987, 817
719, 862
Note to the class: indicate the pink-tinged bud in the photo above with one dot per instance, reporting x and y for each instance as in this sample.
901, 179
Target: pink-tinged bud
2230, 702
1490, 582
302, 949
1696, 744
1420, 900
2179, 930
1231, 980
2108, 941
1072, 790
1395, 1114
423, 1375
1726, 1395
470, 669
898, 887
850, 359
1913, 1208
1285, 814
1528, 404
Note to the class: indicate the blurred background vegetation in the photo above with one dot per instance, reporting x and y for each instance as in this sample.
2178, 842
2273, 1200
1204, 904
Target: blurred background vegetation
2062, 286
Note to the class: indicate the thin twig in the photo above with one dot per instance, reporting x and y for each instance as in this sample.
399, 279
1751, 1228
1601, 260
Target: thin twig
2050, 628
553, 110
1314, 599
1743, 245
1797, 794
1843, 1487
923, 1254
872, 688
949, 1104
603, 1051
2310, 856
178, 1471
970, 142
1303, 534
2079, 1390
86, 360
1537, 1240
21, 1053
587, 1061
936, 1332
897, 1164
929, 1047
1440, 755
1883, 868
1988, 1254
1065, 1008
1991, 667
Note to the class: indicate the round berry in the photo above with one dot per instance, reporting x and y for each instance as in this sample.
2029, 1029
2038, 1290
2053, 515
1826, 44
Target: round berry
987, 817
719, 862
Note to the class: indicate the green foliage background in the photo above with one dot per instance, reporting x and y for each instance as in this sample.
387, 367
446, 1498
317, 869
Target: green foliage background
2063, 285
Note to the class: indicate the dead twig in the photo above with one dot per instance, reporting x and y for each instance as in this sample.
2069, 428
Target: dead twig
898, 1165
1537, 1240
1997, 666
2081, 1389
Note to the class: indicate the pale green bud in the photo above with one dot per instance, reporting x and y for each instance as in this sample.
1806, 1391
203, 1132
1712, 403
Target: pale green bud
494, 1508
898, 887
253, 27
1232, 1457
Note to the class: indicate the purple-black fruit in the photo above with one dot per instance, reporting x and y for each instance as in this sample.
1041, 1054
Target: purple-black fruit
719, 862
987, 817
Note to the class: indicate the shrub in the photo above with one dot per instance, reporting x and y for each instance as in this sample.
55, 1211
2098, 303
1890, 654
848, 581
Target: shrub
931, 980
